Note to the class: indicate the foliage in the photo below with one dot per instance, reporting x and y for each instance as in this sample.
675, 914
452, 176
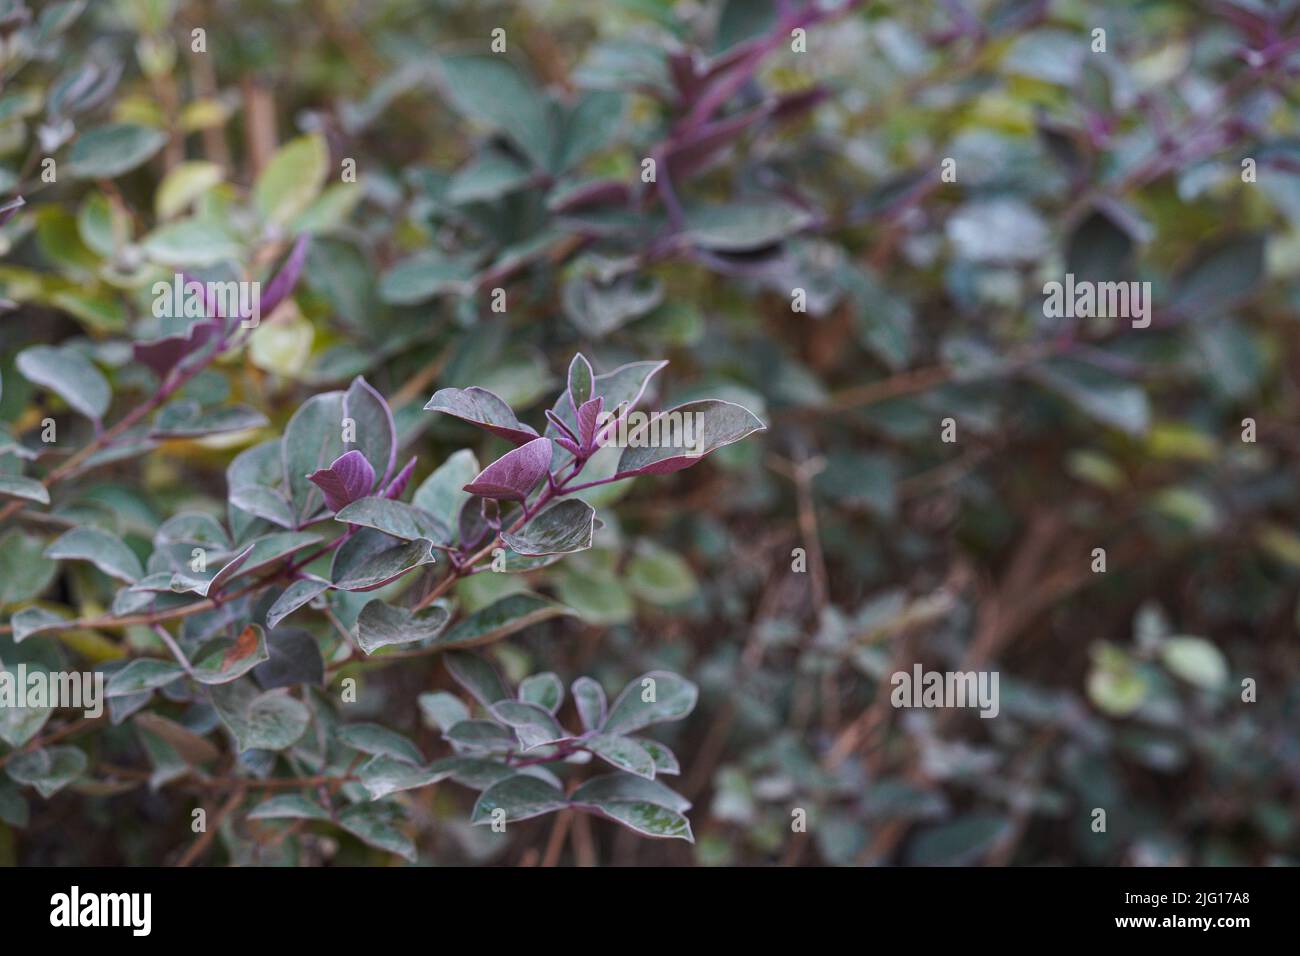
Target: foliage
289, 288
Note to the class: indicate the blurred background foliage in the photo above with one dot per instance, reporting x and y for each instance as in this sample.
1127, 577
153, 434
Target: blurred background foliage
1121, 689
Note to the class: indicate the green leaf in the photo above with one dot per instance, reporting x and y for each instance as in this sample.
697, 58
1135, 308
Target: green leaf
657, 575
143, 674
961, 843
665, 760
225, 660
313, 439
18, 725
488, 89
371, 824
102, 549
477, 676
532, 725
424, 275
292, 179
626, 787
1103, 398
741, 227
379, 625
370, 560
442, 710
395, 518
1220, 277
542, 690
288, 806
684, 435
385, 775
68, 374
521, 797
1196, 661
587, 128
502, 618
34, 620
191, 242
187, 419
24, 570
653, 698
563, 528
109, 151
589, 698
441, 494
648, 819
482, 735
623, 753
16, 486
49, 770
377, 740
295, 596
269, 721
183, 184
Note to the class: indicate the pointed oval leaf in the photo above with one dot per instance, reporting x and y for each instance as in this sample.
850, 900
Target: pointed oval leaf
101, 549
653, 698
563, 528
502, 618
68, 374
480, 407
623, 753
380, 625
589, 697
696, 429
513, 475
521, 797
395, 518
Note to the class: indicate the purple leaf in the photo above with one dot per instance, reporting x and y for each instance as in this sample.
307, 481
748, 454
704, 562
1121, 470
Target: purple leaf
162, 355
9, 207
398, 484
480, 407
348, 478
588, 419
278, 289
515, 473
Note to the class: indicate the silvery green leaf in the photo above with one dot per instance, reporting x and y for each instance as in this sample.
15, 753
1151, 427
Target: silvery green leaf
521, 797
623, 753
562, 528
380, 624
295, 596
714, 425
106, 152
384, 775
653, 698
102, 549
376, 740
502, 618
49, 769
68, 374
142, 674
370, 560
18, 725
489, 89
295, 659
268, 721
372, 825
442, 710
623, 786
34, 620
188, 420
395, 518
24, 570
442, 494
425, 274
960, 843
480, 407
589, 697
312, 440
376, 435
1195, 660
481, 735
740, 227
477, 676
647, 818
16, 486
224, 660
288, 806
543, 690
532, 725
665, 760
